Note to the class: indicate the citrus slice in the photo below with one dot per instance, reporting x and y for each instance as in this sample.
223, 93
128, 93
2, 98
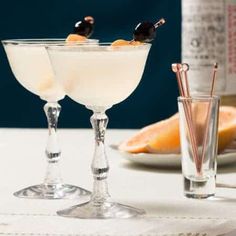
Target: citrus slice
120, 42
75, 38
163, 136
139, 142
227, 127
167, 140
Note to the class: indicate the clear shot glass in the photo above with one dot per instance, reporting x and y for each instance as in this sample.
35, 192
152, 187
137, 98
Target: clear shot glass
198, 117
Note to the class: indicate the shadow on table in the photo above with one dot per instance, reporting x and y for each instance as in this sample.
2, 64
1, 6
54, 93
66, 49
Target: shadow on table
174, 209
140, 167
222, 198
231, 168
180, 208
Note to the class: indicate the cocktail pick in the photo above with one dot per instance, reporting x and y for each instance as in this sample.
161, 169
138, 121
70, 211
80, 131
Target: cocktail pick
159, 23
146, 31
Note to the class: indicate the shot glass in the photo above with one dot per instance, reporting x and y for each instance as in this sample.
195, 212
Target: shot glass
198, 117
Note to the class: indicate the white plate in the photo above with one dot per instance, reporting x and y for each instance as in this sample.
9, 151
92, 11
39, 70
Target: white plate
170, 160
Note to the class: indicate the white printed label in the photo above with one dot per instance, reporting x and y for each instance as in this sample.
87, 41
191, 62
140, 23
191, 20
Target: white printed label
209, 36
230, 23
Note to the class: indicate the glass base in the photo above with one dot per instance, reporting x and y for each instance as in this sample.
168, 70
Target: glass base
107, 210
53, 191
199, 188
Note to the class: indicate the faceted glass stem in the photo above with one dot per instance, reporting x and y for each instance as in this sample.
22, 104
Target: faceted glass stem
52, 187
100, 205
53, 152
99, 166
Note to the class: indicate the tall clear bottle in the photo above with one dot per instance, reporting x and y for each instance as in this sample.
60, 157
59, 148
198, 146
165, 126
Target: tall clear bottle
208, 36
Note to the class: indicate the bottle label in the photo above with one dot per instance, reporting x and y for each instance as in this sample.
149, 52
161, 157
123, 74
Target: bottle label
209, 36
230, 25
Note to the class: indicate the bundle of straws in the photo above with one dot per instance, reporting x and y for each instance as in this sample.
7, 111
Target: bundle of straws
181, 74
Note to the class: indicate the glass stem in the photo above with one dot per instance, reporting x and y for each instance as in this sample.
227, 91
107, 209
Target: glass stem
99, 165
53, 152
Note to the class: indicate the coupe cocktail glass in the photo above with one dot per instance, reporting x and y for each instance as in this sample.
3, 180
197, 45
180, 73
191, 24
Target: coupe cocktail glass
30, 64
99, 76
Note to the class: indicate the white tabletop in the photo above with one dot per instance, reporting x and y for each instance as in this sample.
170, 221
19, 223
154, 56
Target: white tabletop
158, 191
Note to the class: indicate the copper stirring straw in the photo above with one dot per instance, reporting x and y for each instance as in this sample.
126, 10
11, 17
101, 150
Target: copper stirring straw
185, 68
208, 112
177, 68
213, 78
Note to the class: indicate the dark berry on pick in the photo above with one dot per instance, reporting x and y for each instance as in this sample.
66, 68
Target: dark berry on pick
144, 32
84, 27
89, 19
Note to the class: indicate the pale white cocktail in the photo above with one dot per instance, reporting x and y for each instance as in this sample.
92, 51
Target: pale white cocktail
99, 76
30, 64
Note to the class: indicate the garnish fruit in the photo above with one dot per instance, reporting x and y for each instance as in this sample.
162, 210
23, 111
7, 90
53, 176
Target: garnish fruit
84, 27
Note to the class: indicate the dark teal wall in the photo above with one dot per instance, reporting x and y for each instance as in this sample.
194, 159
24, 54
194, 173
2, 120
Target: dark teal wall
154, 99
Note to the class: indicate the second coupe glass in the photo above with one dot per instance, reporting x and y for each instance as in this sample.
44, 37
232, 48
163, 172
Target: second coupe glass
30, 64
99, 76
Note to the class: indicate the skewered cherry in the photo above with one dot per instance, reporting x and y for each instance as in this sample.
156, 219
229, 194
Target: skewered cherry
84, 27
146, 31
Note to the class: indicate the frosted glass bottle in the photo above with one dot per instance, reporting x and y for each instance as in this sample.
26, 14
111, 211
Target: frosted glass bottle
208, 36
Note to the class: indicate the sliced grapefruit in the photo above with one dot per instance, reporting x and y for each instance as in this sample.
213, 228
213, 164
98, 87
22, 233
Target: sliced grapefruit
120, 42
75, 38
167, 140
163, 136
227, 127
139, 142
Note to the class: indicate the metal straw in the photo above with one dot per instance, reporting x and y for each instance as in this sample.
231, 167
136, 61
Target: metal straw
184, 92
177, 69
213, 78
215, 67
185, 69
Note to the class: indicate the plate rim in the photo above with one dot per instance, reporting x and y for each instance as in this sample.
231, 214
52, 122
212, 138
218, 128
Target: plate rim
222, 158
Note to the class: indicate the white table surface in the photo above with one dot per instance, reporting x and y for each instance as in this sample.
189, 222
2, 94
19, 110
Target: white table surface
158, 191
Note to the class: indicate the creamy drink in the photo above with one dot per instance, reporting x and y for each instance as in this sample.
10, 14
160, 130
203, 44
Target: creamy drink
31, 67
99, 76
